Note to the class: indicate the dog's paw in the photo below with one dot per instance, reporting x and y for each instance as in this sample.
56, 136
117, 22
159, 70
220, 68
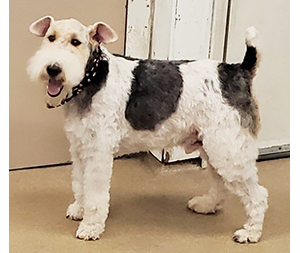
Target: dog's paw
75, 211
203, 204
244, 235
89, 231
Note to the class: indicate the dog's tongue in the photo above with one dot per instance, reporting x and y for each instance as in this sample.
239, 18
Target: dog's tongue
54, 87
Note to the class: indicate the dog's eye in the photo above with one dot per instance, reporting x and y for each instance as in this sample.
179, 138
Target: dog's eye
51, 38
75, 42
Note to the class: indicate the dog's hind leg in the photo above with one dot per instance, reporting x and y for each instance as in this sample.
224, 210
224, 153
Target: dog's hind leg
254, 197
235, 161
211, 201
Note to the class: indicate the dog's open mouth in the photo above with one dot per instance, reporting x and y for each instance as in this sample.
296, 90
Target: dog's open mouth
54, 87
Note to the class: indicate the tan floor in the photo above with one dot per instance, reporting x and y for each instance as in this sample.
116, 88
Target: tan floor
148, 211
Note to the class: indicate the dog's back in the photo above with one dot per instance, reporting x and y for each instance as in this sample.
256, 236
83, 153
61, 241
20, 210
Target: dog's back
161, 92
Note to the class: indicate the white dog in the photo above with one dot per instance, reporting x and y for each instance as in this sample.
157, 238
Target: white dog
116, 105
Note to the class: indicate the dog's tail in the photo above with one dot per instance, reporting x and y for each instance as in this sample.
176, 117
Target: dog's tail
252, 56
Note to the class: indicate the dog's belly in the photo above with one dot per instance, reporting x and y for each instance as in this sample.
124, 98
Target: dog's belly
140, 142
143, 141
166, 136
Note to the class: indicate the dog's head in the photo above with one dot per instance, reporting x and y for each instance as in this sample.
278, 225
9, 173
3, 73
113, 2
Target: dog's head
61, 61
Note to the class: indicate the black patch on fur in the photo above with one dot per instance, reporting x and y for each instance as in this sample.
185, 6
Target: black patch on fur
129, 58
236, 84
156, 88
84, 99
250, 58
179, 62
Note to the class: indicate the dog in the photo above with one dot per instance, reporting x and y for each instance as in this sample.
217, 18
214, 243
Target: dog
116, 105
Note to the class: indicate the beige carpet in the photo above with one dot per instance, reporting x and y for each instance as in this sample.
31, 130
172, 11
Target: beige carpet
148, 211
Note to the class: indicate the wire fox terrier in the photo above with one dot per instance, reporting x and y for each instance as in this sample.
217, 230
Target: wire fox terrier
116, 105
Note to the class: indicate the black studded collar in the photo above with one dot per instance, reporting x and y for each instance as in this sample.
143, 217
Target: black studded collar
91, 76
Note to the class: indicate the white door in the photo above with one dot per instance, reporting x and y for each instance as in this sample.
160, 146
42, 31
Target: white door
191, 29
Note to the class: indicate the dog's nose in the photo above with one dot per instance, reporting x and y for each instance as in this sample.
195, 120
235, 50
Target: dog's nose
53, 70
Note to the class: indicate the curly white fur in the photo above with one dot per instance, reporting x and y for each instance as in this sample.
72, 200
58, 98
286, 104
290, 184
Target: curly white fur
103, 131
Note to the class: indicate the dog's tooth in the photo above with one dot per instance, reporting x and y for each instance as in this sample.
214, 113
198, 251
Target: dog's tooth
94, 73
89, 80
87, 74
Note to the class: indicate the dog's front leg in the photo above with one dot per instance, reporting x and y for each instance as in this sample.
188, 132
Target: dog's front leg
75, 210
98, 164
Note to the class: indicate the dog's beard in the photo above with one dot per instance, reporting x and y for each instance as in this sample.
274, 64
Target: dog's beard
60, 87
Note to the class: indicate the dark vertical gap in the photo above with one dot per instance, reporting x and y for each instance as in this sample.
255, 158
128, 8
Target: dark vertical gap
125, 35
226, 31
211, 29
163, 156
151, 23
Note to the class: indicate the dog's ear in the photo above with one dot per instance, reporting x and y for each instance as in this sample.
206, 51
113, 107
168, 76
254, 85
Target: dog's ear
101, 32
41, 26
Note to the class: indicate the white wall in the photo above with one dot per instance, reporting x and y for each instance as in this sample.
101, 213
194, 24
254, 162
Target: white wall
36, 133
272, 84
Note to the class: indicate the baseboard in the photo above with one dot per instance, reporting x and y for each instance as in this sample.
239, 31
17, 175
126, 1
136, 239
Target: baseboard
267, 153
41, 166
274, 152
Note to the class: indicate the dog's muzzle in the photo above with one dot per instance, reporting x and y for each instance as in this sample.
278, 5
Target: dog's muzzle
55, 85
